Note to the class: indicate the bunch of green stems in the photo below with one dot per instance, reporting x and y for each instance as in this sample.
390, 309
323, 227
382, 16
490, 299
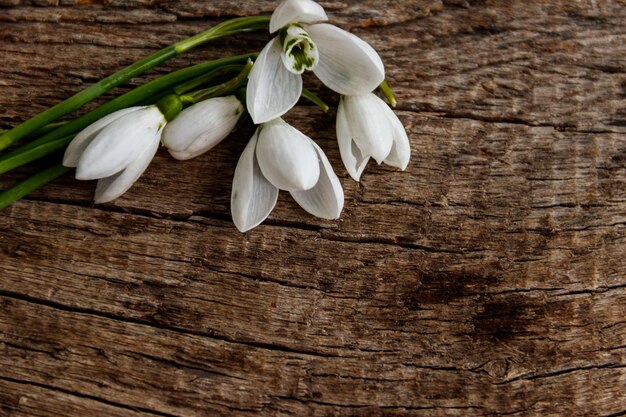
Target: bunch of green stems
46, 136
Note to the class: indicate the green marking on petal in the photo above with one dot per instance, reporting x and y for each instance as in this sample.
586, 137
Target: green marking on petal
299, 51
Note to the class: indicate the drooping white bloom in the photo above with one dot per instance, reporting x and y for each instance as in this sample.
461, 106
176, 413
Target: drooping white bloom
202, 126
367, 127
116, 149
280, 157
287, 157
341, 60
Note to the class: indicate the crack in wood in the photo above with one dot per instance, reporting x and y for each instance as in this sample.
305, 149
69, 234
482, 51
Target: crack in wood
561, 372
193, 218
111, 316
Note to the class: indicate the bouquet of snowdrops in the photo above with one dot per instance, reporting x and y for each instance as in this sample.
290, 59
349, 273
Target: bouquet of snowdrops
191, 110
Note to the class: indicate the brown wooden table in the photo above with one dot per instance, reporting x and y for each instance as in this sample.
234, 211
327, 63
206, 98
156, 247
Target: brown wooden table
488, 279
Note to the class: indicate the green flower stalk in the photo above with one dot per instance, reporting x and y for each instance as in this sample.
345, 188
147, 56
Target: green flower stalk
388, 93
26, 187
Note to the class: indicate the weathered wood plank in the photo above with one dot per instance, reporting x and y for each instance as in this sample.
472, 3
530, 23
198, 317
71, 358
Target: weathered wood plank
488, 279
296, 311
182, 374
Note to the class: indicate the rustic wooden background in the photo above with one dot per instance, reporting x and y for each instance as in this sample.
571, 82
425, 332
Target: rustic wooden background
488, 279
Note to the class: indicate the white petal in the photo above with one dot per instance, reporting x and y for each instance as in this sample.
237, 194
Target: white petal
202, 126
369, 125
84, 138
286, 157
253, 197
110, 188
348, 64
292, 11
401, 150
325, 200
272, 89
354, 161
120, 143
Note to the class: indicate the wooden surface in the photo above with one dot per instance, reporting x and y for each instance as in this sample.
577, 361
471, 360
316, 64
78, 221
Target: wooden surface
488, 279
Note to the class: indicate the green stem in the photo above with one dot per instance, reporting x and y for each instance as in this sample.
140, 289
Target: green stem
312, 97
207, 78
54, 113
388, 93
241, 94
45, 130
129, 99
230, 27
222, 89
16, 160
38, 180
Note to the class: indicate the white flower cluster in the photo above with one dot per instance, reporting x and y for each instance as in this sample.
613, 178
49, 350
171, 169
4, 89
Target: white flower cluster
118, 148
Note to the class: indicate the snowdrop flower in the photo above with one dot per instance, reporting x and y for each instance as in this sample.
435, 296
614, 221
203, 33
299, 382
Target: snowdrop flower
202, 126
116, 149
279, 157
367, 127
342, 61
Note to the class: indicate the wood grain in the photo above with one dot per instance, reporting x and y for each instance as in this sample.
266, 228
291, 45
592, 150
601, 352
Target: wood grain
488, 279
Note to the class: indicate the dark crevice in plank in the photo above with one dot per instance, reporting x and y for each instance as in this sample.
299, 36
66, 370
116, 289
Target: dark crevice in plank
500, 120
214, 268
554, 231
28, 348
283, 283
602, 68
574, 205
436, 407
562, 372
179, 365
272, 223
523, 411
618, 414
89, 397
565, 293
608, 326
398, 243
111, 316
381, 407
518, 291
447, 114
598, 290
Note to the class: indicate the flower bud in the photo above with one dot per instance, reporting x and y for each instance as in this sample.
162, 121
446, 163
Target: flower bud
202, 126
116, 149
